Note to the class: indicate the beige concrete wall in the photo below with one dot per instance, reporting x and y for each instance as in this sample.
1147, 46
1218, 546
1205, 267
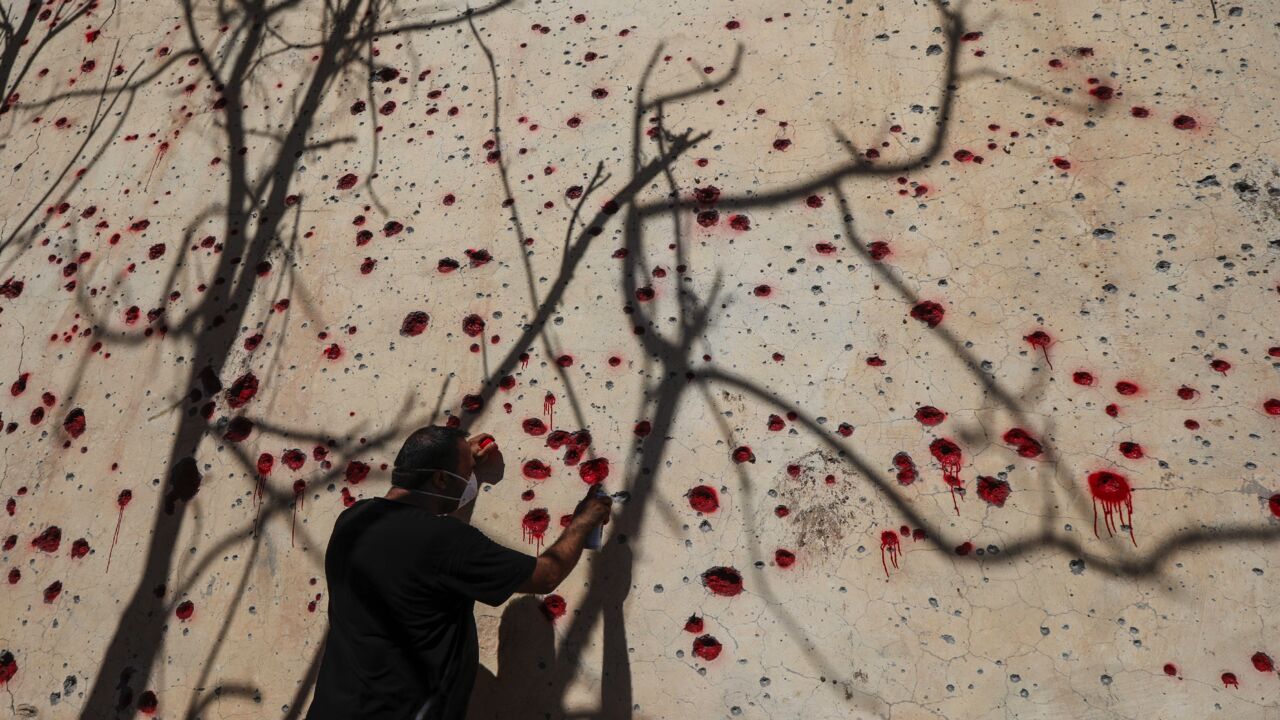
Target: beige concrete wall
1124, 205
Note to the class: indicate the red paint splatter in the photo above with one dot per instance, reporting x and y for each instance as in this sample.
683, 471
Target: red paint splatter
742, 454
889, 544
906, 468
1273, 503
1272, 406
8, 666
52, 592
1113, 491
49, 540
242, 390
707, 647
74, 423
948, 455
534, 526
148, 703
1040, 339
704, 499
1229, 680
356, 472
79, 548
1185, 122
185, 610
723, 581
1187, 393
928, 312
594, 472
992, 490
553, 606
1026, 445
549, 408
929, 415
348, 181
1131, 450
1082, 377
1170, 669
784, 558
1262, 662
1124, 387
693, 625
414, 324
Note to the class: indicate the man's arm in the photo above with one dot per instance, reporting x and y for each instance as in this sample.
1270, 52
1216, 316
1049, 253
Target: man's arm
557, 561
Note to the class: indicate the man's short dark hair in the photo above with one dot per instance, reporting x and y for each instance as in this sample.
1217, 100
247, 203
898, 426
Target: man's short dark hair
434, 447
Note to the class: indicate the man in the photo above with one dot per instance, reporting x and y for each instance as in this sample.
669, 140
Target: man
404, 572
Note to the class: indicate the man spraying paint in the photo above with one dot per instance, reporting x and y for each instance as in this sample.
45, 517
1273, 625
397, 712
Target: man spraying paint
404, 572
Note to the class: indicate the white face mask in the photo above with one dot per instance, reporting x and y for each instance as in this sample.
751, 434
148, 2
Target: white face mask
469, 492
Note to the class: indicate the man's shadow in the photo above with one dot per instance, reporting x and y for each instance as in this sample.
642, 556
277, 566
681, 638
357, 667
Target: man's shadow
532, 679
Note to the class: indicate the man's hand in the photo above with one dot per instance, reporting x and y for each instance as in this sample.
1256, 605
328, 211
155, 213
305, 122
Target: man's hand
594, 508
490, 465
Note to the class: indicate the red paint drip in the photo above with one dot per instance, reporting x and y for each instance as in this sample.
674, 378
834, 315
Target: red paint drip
534, 526
549, 408
1113, 491
948, 455
1229, 680
889, 544
122, 501
1040, 339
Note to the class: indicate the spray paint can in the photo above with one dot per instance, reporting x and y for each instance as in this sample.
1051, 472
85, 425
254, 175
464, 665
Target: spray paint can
596, 538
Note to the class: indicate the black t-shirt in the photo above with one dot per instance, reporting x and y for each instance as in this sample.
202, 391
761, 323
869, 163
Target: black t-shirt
402, 588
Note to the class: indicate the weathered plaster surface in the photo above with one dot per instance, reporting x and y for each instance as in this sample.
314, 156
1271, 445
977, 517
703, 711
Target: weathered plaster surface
1135, 227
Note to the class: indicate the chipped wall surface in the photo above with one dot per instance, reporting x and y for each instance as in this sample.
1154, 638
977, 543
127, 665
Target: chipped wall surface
932, 348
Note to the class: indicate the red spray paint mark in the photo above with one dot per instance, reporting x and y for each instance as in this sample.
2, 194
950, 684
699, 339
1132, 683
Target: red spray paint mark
594, 472
414, 324
20, 385
784, 558
1113, 491
8, 666
299, 487
185, 610
706, 647
693, 625
148, 703
242, 390
1229, 680
1220, 365
1131, 450
549, 408
473, 325
49, 540
52, 592
536, 470
122, 501
1272, 407
1082, 377
1186, 122
992, 490
1026, 445
294, 459
928, 312
742, 454
906, 468
1187, 393
948, 455
74, 423
534, 526
704, 499
348, 181
723, 581
1040, 339
929, 415
553, 606
79, 548
879, 250
534, 426
1124, 387
889, 544
1262, 662
1170, 669
356, 472
1273, 503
